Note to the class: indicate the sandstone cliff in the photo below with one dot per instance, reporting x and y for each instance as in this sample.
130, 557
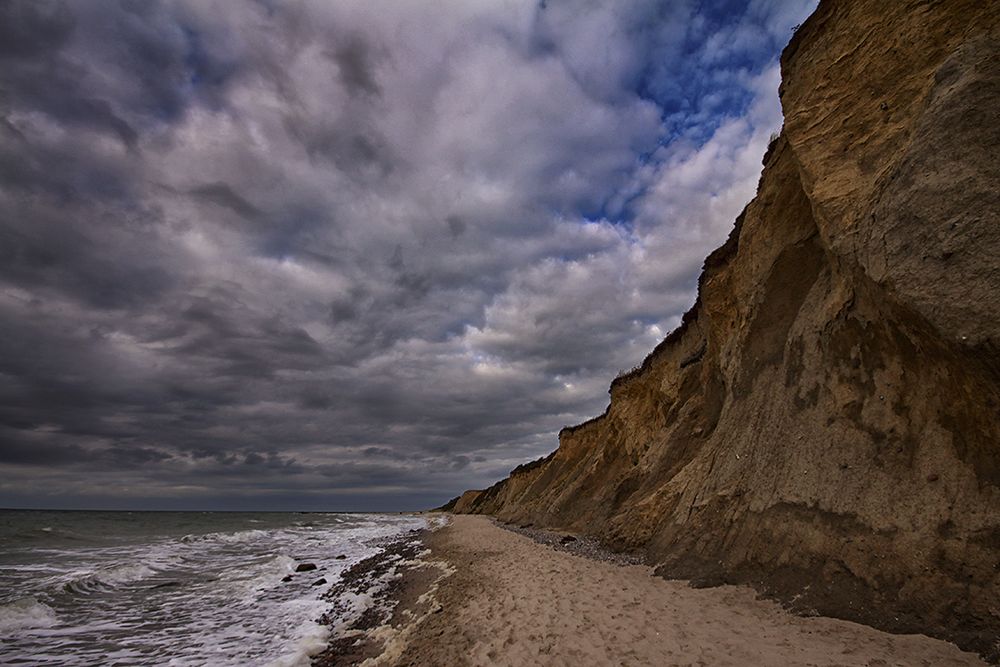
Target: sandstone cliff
826, 422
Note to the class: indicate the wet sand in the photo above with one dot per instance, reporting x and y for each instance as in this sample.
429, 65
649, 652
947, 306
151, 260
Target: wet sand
484, 595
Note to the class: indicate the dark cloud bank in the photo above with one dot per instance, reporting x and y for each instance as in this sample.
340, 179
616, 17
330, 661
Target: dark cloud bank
349, 255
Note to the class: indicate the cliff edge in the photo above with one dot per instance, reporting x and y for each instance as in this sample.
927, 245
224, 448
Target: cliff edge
825, 424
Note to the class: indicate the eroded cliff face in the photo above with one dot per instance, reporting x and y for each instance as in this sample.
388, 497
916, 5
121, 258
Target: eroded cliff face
826, 422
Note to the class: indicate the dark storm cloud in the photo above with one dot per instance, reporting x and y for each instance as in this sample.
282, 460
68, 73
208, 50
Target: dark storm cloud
33, 29
354, 61
37, 69
223, 195
456, 226
330, 255
48, 453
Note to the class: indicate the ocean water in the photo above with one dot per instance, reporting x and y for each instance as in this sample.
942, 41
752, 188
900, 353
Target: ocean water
175, 588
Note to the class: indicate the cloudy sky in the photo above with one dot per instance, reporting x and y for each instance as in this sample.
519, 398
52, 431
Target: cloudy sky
344, 254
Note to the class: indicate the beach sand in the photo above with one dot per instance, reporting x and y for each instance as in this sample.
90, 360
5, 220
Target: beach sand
490, 596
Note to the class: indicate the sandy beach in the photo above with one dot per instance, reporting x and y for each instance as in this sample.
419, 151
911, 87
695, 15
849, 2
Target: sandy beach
484, 595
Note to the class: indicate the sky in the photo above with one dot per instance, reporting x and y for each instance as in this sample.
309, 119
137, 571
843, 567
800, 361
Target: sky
346, 254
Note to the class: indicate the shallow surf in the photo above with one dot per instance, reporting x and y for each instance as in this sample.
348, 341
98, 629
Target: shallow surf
176, 588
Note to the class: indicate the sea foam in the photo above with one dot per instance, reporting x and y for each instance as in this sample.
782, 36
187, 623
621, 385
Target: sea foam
25, 614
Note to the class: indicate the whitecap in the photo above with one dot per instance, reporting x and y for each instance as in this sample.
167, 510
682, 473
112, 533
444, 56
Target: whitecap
307, 640
26, 613
104, 578
227, 574
261, 576
228, 538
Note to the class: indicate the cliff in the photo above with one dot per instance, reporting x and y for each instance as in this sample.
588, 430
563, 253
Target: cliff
462, 504
825, 424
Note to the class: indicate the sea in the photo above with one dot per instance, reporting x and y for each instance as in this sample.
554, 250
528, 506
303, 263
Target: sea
177, 588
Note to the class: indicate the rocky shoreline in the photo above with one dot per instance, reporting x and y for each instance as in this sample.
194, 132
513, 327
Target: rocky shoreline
579, 545
393, 587
398, 581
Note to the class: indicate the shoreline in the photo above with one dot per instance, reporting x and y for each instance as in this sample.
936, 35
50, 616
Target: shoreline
394, 590
477, 593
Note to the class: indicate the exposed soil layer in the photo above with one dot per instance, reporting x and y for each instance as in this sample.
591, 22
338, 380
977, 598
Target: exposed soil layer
824, 424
